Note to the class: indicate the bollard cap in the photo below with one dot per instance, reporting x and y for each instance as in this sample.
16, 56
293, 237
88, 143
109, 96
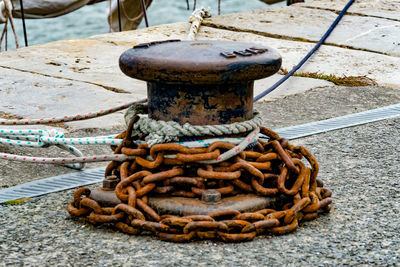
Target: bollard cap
200, 62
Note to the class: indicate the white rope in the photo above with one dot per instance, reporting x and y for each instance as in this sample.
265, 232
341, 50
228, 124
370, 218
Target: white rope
252, 137
34, 138
158, 132
80, 160
75, 162
241, 145
196, 19
45, 138
38, 138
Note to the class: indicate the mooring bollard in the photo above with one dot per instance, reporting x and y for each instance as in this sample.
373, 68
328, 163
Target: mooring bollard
215, 179
200, 82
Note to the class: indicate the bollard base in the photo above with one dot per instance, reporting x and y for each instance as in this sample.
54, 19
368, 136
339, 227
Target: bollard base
268, 189
183, 206
192, 206
104, 197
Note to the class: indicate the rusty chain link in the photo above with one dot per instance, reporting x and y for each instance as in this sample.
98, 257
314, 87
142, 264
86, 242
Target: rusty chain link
273, 168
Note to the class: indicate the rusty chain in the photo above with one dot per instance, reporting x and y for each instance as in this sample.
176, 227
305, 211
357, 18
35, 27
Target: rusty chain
273, 168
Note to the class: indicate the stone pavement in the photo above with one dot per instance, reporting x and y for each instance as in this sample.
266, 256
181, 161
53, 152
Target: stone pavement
359, 164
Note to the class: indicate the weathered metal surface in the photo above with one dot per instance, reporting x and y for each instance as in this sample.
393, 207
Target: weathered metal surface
211, 196
110, 182
272, 170
201, 104
200, 62
192, 206
184, 206
200, 82
104, 197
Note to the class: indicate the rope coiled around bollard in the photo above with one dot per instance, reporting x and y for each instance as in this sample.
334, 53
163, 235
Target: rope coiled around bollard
158, 132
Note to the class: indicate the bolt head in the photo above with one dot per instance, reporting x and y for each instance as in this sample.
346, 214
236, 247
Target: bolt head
211, 196
110, 182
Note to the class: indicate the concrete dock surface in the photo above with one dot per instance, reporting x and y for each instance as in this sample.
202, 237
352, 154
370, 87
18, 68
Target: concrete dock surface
359, 164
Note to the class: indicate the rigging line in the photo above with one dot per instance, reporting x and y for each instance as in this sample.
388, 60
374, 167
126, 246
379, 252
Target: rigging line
11, 20
3, 33
23, 22
298, 66
6, 40
125, 14
119, 16
145, 13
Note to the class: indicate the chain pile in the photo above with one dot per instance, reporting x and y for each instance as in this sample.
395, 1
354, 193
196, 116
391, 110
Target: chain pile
272, 168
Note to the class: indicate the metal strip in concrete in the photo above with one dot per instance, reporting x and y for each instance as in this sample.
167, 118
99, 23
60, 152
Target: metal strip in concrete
52, 184
76, 179
293, 132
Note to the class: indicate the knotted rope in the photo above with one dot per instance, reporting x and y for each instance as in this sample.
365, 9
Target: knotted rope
158, 132
36, 138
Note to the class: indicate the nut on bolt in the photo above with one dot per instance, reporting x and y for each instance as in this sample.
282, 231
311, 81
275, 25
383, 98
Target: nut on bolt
110, 182
211, 196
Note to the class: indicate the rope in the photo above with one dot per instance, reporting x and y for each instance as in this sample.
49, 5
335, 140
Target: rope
80, 161
141, 14
110, 15
46, 138
196, 19
252, 137
304, 60
119, 16
76, 163
4, 32
40, 138
70, 118
145, 13
33, 138
23, 22
9, 18
166, 131
156, 131
69, 162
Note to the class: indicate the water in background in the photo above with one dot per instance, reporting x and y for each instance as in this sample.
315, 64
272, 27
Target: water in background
92, 20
